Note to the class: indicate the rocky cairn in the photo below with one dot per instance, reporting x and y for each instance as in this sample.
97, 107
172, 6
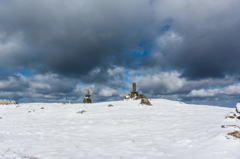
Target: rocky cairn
87, 98
136, 96
236, 116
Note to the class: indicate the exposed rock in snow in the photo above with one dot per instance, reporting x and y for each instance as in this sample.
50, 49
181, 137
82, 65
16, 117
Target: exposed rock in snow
144, 101
136, 96
226, 126
231, 115
110, 105
81, 112
235, 134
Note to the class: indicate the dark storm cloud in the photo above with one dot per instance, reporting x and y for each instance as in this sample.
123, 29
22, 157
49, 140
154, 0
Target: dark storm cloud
74, 38
71, 38
209, 39
212, 55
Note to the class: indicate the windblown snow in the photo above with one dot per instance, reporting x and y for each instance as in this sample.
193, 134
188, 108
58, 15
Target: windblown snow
168, 129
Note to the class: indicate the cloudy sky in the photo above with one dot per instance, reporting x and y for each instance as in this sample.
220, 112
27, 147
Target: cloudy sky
52, 51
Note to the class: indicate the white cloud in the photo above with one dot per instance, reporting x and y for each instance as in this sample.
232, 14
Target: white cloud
95, 71
232, 89
116, 71
203, 93
169, 39
108, 92
228, 90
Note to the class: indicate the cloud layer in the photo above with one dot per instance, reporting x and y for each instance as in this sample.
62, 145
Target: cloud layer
53, 50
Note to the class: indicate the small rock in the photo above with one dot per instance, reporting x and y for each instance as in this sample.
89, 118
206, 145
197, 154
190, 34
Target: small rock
110, 105
0, 117
42, 108
231, 115
238, 117
29, 111
144, 101
235, 134
81, 112
226, 126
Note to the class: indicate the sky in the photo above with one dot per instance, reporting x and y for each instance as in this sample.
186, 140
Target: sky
52, 51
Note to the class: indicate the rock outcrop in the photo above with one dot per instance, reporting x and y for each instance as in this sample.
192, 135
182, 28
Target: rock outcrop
236, 117
136, 96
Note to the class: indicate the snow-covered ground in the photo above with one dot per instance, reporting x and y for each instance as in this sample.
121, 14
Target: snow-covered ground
168, 129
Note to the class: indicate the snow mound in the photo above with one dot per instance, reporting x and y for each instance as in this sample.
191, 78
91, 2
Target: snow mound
168, 129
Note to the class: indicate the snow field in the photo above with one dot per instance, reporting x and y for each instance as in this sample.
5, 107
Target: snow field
168, 129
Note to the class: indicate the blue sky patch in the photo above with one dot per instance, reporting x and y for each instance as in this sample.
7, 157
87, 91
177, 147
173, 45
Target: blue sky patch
23, 72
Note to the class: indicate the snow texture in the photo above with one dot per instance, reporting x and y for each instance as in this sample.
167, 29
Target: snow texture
168, 129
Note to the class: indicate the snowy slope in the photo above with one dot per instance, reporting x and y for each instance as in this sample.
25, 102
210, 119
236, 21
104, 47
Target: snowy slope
168, 129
